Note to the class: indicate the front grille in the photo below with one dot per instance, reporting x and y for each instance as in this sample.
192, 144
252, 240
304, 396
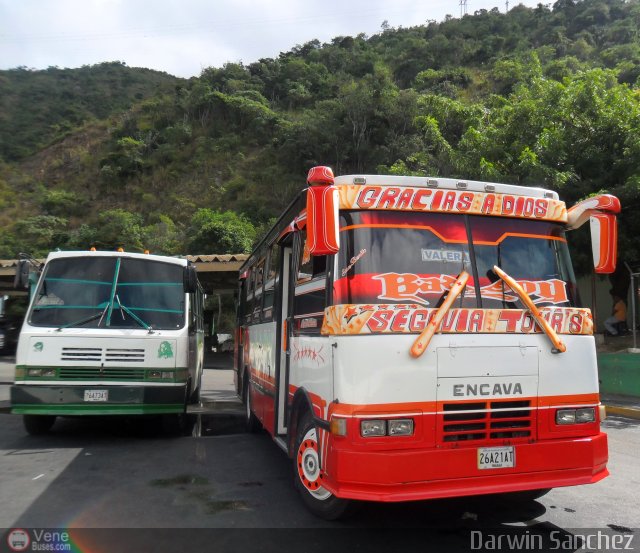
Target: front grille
100, 373
486, 421
120, 355
81, 354
111, 355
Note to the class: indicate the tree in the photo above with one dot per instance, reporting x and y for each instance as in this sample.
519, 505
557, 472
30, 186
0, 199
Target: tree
220, 232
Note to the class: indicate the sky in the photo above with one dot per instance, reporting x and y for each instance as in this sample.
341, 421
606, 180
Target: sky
182, 37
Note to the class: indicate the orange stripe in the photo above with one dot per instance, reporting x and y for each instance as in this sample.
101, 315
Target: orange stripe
503, 237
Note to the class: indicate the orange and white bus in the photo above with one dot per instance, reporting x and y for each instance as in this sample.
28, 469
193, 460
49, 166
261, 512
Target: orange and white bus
408, 338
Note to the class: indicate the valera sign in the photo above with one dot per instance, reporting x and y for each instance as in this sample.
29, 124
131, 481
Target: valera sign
405, 198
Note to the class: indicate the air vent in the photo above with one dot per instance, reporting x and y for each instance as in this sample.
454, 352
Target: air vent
486, 421
124, 356
81, 354
100, 373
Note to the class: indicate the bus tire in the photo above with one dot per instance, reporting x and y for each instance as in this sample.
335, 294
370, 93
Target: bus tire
36, 425
252, 422
307, 475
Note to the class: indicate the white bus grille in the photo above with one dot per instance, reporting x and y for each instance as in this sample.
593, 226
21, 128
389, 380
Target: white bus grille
111, 355
81, 354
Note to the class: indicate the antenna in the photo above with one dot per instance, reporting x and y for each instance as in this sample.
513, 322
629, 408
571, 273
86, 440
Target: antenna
463, 8
507, 6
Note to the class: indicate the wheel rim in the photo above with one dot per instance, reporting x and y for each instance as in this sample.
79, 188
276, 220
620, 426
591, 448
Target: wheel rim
309, 469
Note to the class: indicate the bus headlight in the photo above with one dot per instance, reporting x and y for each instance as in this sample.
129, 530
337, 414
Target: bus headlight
380, 427
566, 416
400, 427
161, 375
587, 414
50, 373
373, 427
575, 416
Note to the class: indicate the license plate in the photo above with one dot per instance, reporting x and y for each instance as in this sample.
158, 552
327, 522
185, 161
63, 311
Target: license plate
96, 395
496, 457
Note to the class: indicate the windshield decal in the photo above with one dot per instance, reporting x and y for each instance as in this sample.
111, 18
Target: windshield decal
406, 198
412, 288
413, 319
445, 256
353, 261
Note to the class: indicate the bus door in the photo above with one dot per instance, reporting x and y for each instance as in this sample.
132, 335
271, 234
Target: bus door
283, 357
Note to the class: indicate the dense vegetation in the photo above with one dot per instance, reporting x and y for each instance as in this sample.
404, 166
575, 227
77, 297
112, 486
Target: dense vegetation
542, 97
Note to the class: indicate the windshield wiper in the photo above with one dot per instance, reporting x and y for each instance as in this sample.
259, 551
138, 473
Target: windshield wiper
88, 319
422, 341
558, 344
132, 315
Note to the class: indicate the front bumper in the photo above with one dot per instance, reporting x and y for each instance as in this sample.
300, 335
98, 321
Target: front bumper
406, 475
122, 400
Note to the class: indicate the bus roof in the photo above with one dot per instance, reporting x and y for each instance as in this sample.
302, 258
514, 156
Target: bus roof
85, 254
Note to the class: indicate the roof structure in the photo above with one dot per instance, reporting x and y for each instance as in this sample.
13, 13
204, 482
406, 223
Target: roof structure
217, 272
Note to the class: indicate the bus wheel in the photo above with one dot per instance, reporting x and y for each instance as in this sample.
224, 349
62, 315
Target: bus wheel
251, 421
307, 475
37, 425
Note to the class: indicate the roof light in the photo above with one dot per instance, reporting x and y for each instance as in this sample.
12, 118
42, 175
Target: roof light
147, 252
359, 180
432, 183
548, 194
489, 187
120, 250
320, 175
92, 249
461, 185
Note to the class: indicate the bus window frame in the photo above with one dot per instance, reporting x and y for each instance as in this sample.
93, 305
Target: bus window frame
271, 283
308, 285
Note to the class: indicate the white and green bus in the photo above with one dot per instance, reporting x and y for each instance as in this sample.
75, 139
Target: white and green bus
109, 333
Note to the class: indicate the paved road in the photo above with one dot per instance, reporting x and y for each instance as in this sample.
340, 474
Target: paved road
109, 473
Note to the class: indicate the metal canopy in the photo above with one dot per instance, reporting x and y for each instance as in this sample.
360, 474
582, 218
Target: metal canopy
217, 273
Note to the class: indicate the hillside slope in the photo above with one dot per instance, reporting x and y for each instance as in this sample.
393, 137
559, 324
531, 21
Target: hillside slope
542, 96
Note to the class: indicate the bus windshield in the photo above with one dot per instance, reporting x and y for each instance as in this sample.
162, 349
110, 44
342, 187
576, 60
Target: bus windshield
414, 258
104, 292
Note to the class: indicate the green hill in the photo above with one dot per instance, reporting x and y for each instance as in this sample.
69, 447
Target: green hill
543, 96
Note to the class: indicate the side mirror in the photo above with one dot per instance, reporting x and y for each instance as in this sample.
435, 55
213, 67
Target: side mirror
190, 279
323, 234
601, 212
21, 279
604, 242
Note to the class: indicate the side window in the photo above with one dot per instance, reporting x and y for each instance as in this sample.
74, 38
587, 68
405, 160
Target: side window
248, 310
195, 316
259, 281
310, 291
309, 267
271, 280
